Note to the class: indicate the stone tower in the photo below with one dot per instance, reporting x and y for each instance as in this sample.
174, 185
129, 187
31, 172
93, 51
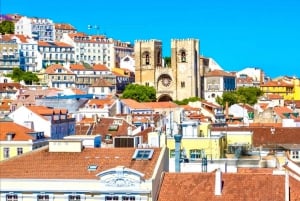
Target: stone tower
176, 82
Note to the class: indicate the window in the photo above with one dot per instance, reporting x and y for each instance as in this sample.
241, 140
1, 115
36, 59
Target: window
74, 197
12, 197
111, 197
183, 56
141, 154
128, 198
43, 197
158, 58
19, 150
195, 154
295, 154
6, 152
147, 84
182, 84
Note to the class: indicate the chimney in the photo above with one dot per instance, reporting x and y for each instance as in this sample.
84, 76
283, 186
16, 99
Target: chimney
177, 138
218, 182
287, 186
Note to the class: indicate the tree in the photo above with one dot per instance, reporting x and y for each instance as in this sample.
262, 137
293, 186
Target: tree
245, 95
139, 93
187, 100
7, 27
19, 75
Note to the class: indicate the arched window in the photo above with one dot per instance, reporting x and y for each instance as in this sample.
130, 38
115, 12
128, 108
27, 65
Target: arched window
146, 58
183, 56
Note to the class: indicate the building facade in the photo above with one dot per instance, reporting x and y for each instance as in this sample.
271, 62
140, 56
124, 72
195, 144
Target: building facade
176, 82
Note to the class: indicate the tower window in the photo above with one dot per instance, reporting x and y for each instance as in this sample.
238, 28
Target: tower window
158, 59
146, 57
182, 84
183, 56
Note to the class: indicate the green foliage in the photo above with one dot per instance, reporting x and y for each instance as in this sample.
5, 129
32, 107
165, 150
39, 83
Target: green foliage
187, 100
139, 93
7, 27
247, 95
19, 75
167, 61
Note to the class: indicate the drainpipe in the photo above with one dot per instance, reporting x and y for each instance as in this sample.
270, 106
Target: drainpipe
177, 138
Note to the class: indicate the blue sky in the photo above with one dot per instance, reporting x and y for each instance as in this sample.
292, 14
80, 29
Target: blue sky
235, 33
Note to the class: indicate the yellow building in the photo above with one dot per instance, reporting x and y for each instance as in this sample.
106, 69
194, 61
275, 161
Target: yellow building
280, 87
197, 142
16, 140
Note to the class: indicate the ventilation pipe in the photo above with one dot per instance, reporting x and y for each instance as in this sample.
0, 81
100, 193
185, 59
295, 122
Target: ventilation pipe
177, 138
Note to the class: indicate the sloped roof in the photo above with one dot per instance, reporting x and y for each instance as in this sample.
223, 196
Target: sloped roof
42, 164
52, 69
279, 83
235, 186
20, 132
148, 105
219, 73
101, 82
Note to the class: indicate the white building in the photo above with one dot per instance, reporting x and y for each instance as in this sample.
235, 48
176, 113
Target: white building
97, 49
55, 123
37, 28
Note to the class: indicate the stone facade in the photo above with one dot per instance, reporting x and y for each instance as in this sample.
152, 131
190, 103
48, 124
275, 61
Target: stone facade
176, 82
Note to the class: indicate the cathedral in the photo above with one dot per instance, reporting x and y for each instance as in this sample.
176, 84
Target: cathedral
178, 81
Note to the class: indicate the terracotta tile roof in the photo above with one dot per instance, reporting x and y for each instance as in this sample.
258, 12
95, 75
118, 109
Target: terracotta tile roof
100, 67
274, 96
148, 105
52, 69
77, 67
5, 87
20, 132
5, 104
53, 44
78, 91
101, 82
43, 110
64, 26
42, 164
78, 34
246, 80
279, 83
22, 38
219, 73
100, 103
201, 187
103, 127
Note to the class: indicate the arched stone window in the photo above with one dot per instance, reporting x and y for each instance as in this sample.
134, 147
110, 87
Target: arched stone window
182, 55
146, 58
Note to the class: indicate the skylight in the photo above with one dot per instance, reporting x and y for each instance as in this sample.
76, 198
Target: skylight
143, 154
92, 167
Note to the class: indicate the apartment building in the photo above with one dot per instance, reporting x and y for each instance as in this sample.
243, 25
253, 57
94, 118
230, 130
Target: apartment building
97, 49
55, 53
61, 28
9, 54
40, 29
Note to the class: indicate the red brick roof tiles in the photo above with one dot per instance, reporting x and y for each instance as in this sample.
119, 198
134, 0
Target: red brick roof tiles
201, 187
42, 164
20, 132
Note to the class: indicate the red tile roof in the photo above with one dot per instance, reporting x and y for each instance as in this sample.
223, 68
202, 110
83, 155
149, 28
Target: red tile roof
101, 82
219, 73
279, 83
235, 186
42, 164
52, 69
20, 132
100, 67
